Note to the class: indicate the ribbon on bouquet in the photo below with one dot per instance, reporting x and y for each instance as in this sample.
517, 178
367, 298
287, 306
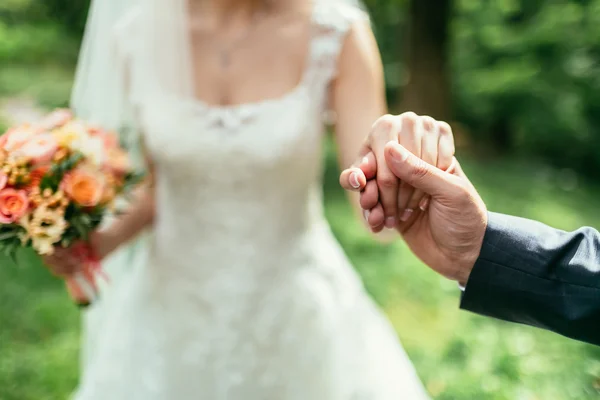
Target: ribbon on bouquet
82, 286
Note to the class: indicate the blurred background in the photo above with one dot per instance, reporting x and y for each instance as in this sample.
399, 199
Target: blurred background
520, 82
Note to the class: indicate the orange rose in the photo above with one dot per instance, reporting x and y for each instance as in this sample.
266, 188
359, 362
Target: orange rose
13, 205
84, 187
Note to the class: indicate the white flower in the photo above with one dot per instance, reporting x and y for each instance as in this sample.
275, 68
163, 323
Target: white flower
92, 148
43, 246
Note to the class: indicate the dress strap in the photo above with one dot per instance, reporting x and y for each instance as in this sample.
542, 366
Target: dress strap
332, 20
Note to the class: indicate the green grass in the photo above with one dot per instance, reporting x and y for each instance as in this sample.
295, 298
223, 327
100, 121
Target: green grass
458, 355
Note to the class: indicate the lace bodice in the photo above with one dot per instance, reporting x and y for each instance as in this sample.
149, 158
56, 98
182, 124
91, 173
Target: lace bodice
230, 171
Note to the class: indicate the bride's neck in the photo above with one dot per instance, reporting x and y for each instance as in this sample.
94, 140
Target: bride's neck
226, 10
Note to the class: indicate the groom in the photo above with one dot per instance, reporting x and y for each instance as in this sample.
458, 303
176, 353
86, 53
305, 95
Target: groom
509, 268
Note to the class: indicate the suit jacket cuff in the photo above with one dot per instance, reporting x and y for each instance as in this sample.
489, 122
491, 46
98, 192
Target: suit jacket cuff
530, 273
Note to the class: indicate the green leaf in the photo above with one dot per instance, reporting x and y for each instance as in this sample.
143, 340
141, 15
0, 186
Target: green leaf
8, 235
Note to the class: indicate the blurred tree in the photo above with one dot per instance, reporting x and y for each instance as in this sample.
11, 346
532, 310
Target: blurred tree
428, 86
522, 75
70, 14
526, 77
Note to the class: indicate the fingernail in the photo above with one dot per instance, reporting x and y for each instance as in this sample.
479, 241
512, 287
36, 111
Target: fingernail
399, 153
390, 222
424, 203
365, 160
354, 180
406, 215
366, 214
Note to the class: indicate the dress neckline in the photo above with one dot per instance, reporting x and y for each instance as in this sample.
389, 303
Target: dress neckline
251, 106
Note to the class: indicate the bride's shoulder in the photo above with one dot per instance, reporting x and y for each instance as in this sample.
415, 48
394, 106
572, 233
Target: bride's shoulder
339, 15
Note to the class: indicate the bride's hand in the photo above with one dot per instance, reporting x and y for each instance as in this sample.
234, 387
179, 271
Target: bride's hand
385, 199
103, 243
62, 262
65, 263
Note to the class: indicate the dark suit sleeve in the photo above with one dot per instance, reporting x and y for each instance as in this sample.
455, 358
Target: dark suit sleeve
530, 273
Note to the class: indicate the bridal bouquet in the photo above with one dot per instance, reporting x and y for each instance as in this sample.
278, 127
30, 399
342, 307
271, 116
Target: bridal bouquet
58, 179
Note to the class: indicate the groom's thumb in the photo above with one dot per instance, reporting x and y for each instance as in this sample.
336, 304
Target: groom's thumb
416, 172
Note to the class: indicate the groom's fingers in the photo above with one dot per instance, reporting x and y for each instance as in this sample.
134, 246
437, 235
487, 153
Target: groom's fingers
417, 173
453, 169
375, 218
369, 197
385, 130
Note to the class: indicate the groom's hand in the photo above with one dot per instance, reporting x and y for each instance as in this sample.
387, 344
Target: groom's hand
386, 200
447, 233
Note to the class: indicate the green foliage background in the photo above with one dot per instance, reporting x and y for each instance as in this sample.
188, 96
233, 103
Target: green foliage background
525, 73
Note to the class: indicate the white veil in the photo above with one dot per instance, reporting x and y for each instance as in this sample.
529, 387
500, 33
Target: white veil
123, 38
131, 50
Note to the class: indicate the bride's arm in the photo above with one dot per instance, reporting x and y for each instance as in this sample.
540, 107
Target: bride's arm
358, 96
136, 218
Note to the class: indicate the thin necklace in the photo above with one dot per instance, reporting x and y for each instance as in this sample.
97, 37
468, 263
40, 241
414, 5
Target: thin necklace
225, 52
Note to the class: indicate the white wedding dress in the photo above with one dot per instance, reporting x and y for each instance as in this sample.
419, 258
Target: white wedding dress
244, 293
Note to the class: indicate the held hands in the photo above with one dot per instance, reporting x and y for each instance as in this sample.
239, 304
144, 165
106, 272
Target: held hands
444, 220
386, 200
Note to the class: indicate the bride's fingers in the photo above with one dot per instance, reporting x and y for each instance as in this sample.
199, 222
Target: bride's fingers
385, 130
61, 264
446, 147
355, 178
404, 195
369, 197
368, 165
411, 137
429, 154
445, 154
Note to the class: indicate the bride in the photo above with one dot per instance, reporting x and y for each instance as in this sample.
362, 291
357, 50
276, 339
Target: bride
239, 290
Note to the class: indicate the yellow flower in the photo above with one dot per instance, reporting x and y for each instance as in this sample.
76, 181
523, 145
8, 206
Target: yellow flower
70, 133
45, 227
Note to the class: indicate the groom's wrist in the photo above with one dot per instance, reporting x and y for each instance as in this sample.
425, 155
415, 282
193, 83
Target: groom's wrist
471, 256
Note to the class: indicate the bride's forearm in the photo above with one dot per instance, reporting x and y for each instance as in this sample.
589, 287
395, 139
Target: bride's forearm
135, 219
